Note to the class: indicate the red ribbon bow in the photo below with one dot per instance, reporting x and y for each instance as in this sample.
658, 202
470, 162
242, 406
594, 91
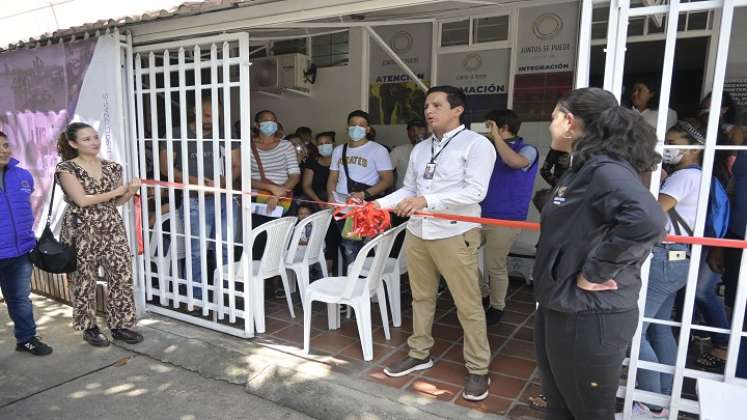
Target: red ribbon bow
368, 219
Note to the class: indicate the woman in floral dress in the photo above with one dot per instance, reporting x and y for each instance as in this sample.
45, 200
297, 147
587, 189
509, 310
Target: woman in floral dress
93, 190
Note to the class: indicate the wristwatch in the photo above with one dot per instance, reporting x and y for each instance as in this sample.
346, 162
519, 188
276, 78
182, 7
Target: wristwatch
366, 194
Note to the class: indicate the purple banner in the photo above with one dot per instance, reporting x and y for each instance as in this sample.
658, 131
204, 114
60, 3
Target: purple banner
39, 90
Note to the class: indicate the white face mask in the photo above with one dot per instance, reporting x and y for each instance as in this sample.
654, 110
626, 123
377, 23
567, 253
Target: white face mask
672, 156
326, 149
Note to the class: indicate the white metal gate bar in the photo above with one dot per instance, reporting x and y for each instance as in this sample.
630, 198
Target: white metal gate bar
620, 11
171, 279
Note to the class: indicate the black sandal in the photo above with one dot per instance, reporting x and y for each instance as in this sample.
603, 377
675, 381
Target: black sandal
534, 404
709, 361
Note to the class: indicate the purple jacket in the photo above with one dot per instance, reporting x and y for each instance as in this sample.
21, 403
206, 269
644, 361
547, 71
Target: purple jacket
16, 217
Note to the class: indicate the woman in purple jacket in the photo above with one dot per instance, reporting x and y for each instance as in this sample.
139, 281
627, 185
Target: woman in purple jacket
16, 231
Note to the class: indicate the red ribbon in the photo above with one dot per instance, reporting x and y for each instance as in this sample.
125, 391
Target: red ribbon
139, 224
368, 219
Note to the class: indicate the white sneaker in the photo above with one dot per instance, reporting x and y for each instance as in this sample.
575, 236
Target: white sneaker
642, 412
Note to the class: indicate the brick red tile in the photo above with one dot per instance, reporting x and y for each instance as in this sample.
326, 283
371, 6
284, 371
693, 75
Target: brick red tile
496, 341
501, 329
274, 325
511, 317
348, 328
506, 387
512, 366
331, 342
520, 349
406, 324
492, 404
449, 372
526, 334
439, 348
377, 374
446, 332
523, 412
396, 339
294, 334
455, 354
355, 352
520, 307
432, 389
450, 319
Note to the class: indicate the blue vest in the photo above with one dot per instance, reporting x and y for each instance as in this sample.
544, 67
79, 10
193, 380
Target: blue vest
510, 189
16, 216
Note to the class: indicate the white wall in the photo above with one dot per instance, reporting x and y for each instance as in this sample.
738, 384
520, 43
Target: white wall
337, 91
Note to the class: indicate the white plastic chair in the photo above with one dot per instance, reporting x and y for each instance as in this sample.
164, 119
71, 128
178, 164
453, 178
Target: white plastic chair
272, 264
176, 226
301, 257
354, 291
393, 270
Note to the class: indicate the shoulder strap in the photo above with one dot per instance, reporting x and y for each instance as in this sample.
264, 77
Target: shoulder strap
51, 200
678, 221
255, 152
345, 166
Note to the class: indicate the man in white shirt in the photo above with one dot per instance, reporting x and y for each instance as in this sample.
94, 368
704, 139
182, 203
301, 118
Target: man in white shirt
447, 173
360, 168
400, 155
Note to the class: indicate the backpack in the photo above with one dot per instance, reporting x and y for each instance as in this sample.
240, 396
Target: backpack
717, 219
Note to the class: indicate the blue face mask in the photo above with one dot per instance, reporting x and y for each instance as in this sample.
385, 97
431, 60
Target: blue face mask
326, 149
268, 128
356, 132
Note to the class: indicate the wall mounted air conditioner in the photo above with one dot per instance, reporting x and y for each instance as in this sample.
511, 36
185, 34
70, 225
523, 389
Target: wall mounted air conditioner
280, 73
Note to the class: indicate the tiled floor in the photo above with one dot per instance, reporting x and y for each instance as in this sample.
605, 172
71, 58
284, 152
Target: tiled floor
512, 367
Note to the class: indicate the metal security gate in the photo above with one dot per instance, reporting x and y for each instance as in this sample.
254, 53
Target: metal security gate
191, 102
619, 15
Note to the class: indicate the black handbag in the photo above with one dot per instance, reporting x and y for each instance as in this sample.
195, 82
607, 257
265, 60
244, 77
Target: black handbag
51, 255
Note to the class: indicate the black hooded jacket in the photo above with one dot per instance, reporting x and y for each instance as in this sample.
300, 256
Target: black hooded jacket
602, 222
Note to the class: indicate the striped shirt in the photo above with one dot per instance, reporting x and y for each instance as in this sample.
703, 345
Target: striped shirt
278, 163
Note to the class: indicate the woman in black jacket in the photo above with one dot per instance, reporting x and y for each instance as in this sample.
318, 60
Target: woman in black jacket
596, 231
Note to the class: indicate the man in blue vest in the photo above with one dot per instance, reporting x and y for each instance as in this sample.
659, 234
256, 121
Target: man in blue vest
16, 223
508, 198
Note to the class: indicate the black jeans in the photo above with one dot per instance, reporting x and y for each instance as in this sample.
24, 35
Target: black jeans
580, 357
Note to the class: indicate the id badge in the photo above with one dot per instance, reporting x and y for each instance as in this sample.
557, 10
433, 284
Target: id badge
430, 170
677, 255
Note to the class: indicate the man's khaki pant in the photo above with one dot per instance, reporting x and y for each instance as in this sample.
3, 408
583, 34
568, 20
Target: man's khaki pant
498, 242
456, 259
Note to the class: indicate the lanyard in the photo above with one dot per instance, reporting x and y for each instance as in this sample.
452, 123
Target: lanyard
436, 155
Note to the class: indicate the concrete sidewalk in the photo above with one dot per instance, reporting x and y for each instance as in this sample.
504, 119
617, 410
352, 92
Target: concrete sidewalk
183, 371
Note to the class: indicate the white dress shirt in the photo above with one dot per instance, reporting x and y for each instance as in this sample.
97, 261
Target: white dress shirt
459, 184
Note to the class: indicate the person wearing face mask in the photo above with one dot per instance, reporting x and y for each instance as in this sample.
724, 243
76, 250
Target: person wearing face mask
400, 155
508, 197
315, 187
359, 169
274, 169
596, 231
678, 198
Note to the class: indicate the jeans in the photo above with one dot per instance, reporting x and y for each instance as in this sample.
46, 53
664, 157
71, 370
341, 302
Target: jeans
708, 302
194, 225
657, 341
349, 248
580, 355
15, 282
732, 263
